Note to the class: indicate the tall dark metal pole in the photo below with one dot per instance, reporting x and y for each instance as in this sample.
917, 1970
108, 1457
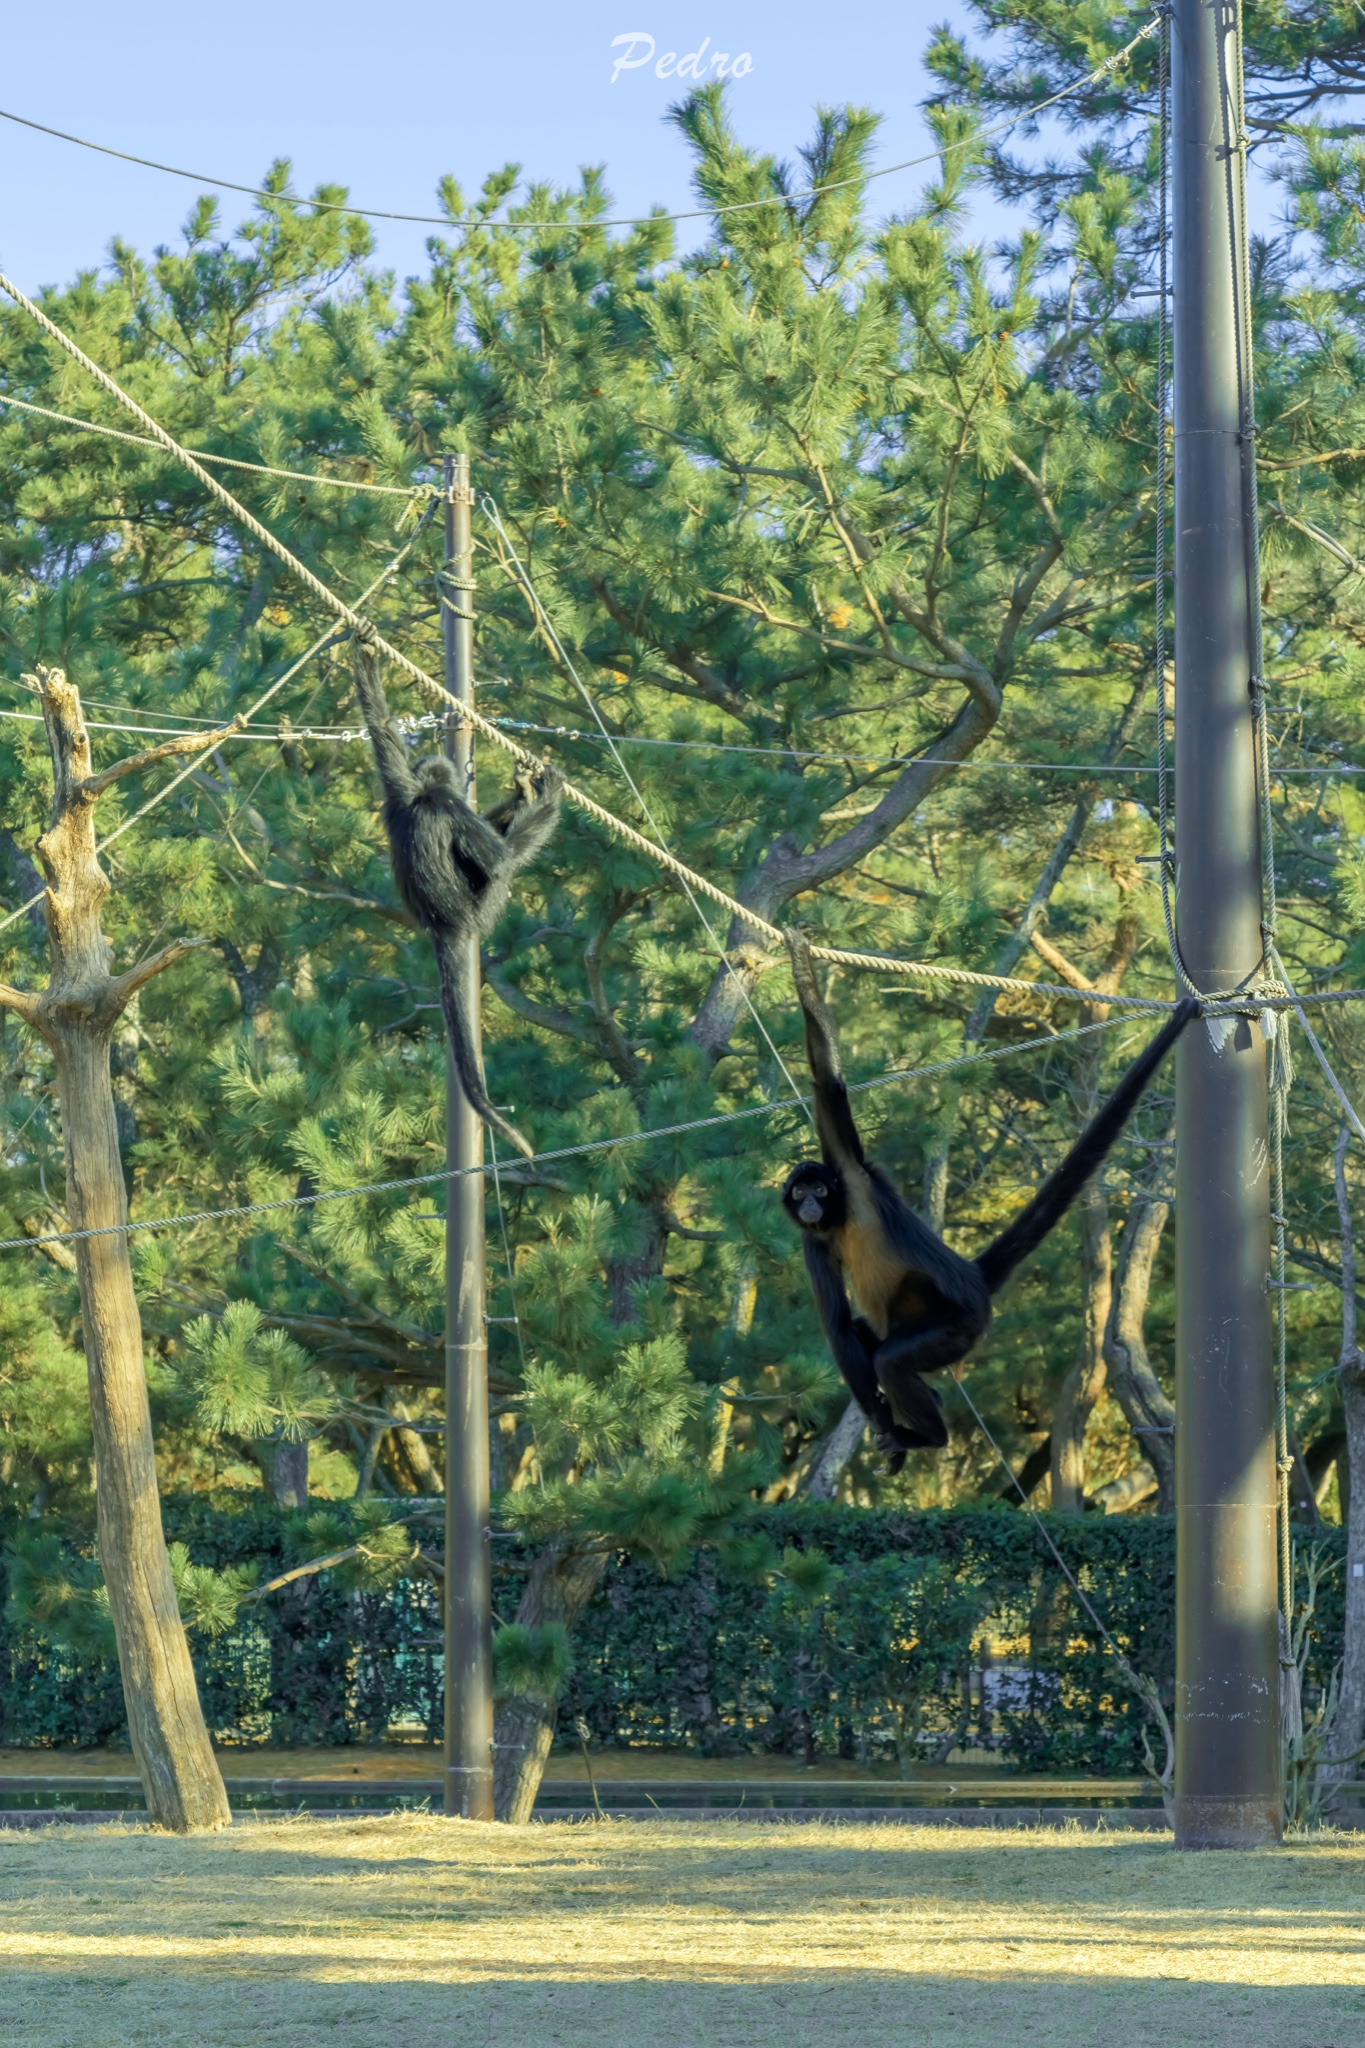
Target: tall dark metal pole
1228, 1769
468, 1591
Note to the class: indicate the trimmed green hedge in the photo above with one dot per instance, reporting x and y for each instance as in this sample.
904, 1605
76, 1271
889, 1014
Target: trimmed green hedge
705, 1660
702, 1661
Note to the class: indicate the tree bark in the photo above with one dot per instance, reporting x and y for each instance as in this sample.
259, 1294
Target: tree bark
842, 1441
561, 1584
1084, 1384
1147, 1408
1119, 1495
741, 1323
1005, 962
1035, 1468
76, 1014
414, 1445
1348, 1734
287, 1469
1030, 921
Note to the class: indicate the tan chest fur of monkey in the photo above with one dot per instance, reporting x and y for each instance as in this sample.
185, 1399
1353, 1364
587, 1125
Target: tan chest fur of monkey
871, 1269
875, 1274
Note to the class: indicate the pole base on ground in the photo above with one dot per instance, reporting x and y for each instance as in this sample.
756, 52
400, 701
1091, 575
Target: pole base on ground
1227, 1823
469, 1792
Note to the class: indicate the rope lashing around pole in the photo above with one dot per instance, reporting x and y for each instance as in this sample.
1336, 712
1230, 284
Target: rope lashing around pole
1234, 1004
594, 1145
438, 220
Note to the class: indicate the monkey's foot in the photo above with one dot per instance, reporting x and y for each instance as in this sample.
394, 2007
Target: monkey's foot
893, 1452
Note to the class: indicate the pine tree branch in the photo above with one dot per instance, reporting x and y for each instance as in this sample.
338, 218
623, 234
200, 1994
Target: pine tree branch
709, 684
123, 987
393, 911
859, 649
549, 1018
188, 743
619, 1054
20, 1002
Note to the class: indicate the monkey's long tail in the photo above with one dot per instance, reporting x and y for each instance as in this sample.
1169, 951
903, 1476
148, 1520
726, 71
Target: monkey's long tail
462, 1049
1056, 1195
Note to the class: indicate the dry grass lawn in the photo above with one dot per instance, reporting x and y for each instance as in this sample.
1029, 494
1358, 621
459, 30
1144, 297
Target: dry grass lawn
423, 1933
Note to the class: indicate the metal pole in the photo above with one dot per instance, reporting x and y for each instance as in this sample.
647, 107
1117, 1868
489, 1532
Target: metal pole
1228, 1766
468, 1601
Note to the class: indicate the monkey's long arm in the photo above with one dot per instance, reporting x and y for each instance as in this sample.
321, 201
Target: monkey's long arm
390, 752
834, 1125
462, 1049
1056, 1195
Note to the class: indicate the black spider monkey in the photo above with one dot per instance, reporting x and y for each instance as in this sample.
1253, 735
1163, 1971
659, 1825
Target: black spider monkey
453, 866
923, 1307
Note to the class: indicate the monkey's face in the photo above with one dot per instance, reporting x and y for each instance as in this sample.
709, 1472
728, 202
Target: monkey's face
814, 1197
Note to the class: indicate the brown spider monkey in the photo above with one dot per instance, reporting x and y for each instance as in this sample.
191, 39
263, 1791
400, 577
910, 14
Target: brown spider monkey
454, 866
923, 1307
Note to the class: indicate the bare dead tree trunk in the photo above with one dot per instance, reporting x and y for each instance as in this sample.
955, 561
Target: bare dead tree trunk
1147, 1408
1348, 1733
76, 1014
560, 1586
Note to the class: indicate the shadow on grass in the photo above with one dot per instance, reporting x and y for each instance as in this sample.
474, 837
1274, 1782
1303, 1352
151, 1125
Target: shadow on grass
234, 2007
368, 1933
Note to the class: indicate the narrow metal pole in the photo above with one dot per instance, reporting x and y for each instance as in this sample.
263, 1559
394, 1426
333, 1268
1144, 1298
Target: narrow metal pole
1228, 1767
468, 1602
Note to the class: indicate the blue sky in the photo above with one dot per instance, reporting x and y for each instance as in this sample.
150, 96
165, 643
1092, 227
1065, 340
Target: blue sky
386, 101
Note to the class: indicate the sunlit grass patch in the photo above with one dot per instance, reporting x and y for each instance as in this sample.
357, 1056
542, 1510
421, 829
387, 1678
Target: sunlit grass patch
642, 1933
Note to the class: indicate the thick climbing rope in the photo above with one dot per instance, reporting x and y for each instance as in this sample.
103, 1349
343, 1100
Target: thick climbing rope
298, 476
594, 1145
437, 694
438, 220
